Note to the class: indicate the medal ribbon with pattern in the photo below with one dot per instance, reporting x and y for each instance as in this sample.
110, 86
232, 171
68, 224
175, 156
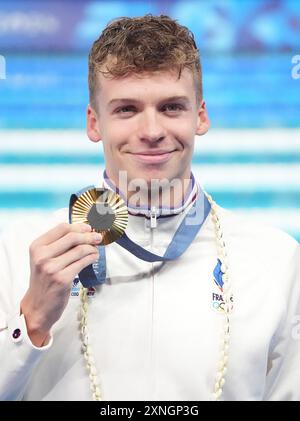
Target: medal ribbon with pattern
184, 236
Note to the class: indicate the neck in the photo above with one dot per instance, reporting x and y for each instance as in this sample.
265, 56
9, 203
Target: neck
168, 197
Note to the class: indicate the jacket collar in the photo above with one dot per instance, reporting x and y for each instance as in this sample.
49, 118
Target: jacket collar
189, 198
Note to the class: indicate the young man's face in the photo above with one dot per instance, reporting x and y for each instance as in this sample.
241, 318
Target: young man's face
147, 124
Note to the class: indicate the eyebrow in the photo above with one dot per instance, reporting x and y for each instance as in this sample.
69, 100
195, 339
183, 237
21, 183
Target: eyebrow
181, 98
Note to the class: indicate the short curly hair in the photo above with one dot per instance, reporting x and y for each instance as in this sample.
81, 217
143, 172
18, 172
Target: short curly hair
143, 44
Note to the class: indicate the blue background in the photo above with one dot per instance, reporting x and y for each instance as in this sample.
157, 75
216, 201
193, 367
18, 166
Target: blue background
247, 49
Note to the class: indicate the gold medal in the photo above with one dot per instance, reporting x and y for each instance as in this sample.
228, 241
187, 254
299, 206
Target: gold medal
104, 210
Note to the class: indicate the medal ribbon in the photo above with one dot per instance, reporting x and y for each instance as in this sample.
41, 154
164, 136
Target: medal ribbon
185, 234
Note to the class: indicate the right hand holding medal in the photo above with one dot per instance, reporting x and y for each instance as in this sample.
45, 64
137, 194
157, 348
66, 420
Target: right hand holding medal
55, 259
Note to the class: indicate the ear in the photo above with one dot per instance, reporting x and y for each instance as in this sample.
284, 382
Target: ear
203, 123
93, 130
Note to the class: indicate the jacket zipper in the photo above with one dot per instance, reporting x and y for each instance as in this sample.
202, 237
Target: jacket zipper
153, 219
153, 225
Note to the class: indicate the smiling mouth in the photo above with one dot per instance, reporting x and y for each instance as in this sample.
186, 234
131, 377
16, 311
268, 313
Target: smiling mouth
153, 157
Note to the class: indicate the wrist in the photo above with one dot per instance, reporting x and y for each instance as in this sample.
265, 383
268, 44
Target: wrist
38, 338
38, 335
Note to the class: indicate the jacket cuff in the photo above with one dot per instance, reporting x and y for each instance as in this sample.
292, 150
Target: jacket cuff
17, 332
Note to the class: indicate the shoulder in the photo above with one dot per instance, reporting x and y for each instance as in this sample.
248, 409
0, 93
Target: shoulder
20, 232
256, 238
15, 240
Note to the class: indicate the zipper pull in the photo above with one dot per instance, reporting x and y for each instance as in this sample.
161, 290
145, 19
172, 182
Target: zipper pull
153, 214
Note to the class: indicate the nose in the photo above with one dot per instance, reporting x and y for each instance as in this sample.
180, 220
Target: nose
151, 128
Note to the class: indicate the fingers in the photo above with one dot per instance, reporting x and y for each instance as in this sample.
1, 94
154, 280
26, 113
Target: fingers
72, 270
49, 260
58, 232
71, 240
77, 253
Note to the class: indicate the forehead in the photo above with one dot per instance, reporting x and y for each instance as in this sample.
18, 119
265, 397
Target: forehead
150, 84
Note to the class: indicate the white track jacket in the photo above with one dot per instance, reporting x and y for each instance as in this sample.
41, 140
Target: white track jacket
155, 327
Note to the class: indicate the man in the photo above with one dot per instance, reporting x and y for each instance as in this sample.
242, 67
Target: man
215, 320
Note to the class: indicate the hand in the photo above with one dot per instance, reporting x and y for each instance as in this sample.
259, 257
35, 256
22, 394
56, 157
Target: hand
55, 259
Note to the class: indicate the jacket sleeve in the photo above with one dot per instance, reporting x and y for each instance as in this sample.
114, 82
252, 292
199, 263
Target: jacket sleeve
18, 356
283, 377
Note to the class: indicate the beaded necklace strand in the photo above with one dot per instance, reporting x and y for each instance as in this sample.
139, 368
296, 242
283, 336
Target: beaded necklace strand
223, 357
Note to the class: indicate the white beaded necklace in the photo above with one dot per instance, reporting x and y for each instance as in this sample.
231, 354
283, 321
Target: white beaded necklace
223, 359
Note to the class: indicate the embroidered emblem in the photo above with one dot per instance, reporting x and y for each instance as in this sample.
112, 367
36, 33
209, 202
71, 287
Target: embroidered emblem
218, 275
217, 294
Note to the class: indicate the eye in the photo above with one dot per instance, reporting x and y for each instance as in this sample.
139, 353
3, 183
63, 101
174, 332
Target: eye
125, 109
172, 108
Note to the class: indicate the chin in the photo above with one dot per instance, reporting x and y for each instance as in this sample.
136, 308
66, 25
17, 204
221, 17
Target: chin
154, 172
